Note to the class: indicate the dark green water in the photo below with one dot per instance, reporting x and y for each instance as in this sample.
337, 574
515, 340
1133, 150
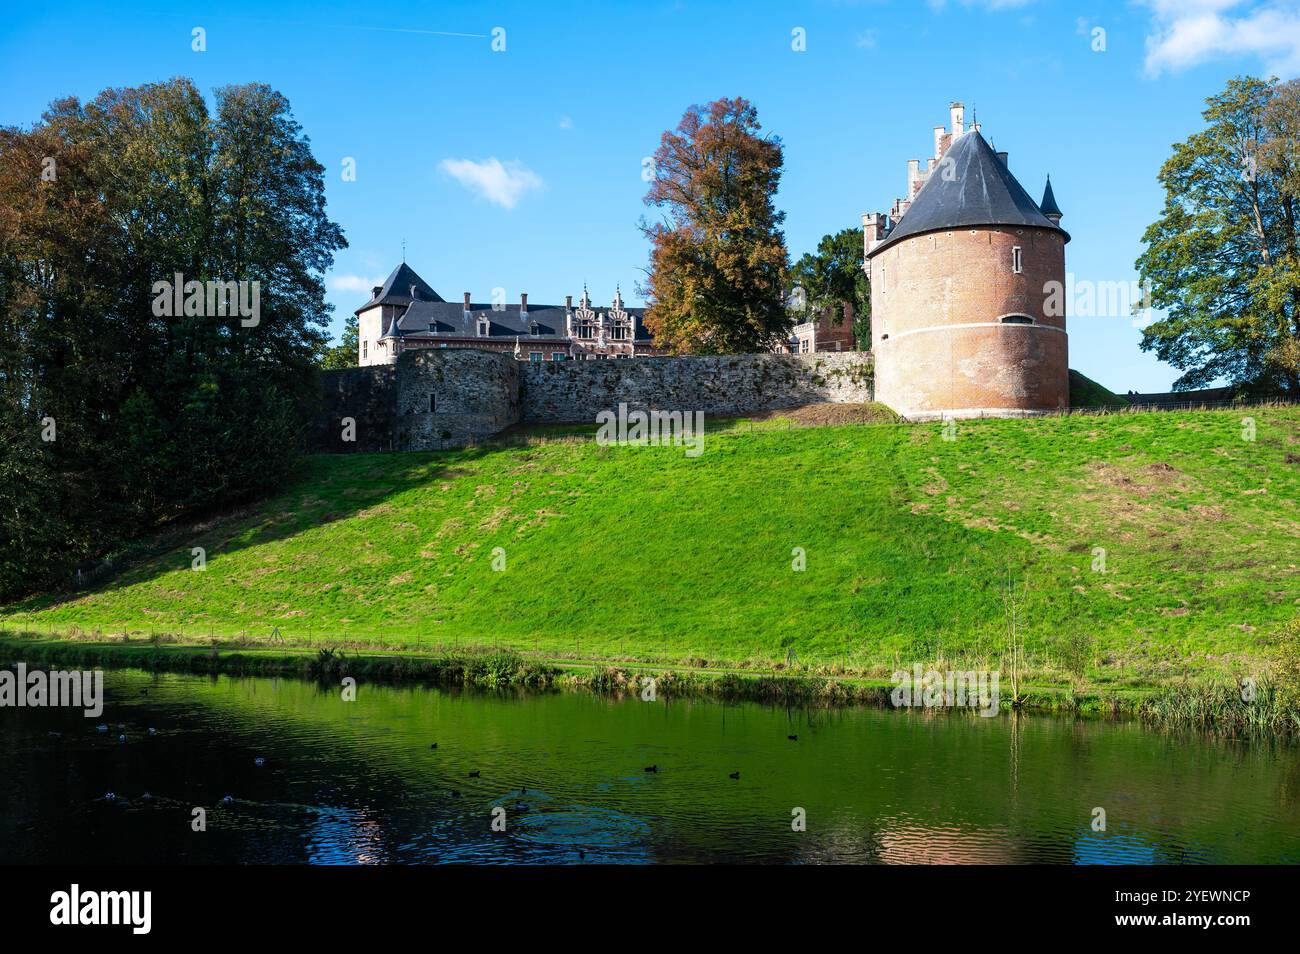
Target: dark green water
358, 782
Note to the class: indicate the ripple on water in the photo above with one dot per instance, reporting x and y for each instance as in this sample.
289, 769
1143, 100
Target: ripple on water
581, 828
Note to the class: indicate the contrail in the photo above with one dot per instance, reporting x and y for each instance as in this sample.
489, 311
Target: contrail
373, 29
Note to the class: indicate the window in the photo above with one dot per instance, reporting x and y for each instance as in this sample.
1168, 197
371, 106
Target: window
433, 404
534, 356
533, 330
1017, 320
557, 355
1016, 264
484, 326
365, 345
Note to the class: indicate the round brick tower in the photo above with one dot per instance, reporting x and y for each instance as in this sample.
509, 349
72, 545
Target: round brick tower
964, 319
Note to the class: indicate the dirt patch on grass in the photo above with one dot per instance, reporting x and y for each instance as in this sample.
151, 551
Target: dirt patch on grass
495, 520
1153, 478
937, 484
830, 415
449, 527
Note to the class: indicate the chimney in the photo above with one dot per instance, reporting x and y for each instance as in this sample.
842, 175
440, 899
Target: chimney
523, 303
939, 135
568, 303
957, 113
1003, 157
914, 180
873, 230
467, 309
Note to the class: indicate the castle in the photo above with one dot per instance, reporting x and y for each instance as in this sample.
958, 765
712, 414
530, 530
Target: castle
406, 313
960, 272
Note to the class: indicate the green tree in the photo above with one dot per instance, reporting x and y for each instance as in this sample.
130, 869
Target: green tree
1223, 257
833, 278
718, 259
345, 354
157, 415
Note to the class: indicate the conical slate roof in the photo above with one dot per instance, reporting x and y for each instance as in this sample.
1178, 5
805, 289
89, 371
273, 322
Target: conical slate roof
1048, 205
396, 289
969, 187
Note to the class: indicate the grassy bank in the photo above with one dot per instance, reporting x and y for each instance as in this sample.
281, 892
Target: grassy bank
643, 556
1203, 705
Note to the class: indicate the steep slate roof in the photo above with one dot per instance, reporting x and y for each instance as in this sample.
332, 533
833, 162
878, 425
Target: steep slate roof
1048, 205
448, 318
431, 314
396, 289
979, 190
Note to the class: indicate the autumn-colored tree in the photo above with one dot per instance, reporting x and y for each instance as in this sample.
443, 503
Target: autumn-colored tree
833, 278
718, 259
1224, 256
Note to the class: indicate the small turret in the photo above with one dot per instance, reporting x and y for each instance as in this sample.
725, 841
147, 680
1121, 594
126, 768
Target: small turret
1048, 205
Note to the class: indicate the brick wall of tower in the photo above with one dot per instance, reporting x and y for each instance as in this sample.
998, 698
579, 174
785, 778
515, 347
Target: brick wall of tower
937, 303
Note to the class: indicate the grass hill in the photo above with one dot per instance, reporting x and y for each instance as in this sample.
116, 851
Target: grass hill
1085, 392
642, 553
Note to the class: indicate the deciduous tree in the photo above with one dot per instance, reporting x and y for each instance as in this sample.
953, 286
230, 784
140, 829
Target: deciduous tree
156, 416
718, 259
1223, 257
833, 277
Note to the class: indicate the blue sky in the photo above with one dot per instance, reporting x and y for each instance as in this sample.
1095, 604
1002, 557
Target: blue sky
521, 169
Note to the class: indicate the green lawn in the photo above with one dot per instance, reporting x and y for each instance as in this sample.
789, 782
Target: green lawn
643, 553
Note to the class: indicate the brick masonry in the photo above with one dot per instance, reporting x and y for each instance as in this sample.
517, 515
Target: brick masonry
938, 303
476, 394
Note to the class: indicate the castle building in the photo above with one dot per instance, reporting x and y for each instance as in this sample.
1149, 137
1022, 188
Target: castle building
962, 269
405, 312
826, 330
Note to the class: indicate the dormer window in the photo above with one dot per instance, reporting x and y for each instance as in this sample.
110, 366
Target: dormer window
533, 329
484, 326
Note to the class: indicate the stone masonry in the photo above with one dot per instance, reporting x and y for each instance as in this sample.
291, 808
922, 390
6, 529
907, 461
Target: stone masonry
442, 398
575, 391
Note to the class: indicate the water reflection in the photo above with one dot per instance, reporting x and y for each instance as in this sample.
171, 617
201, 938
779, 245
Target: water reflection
359, 783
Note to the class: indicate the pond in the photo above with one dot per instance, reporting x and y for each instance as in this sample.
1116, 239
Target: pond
562, 778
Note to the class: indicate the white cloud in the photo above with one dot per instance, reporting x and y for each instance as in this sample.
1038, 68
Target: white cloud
503, 183
867, 39
1186, 33
566, 124
352, 283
